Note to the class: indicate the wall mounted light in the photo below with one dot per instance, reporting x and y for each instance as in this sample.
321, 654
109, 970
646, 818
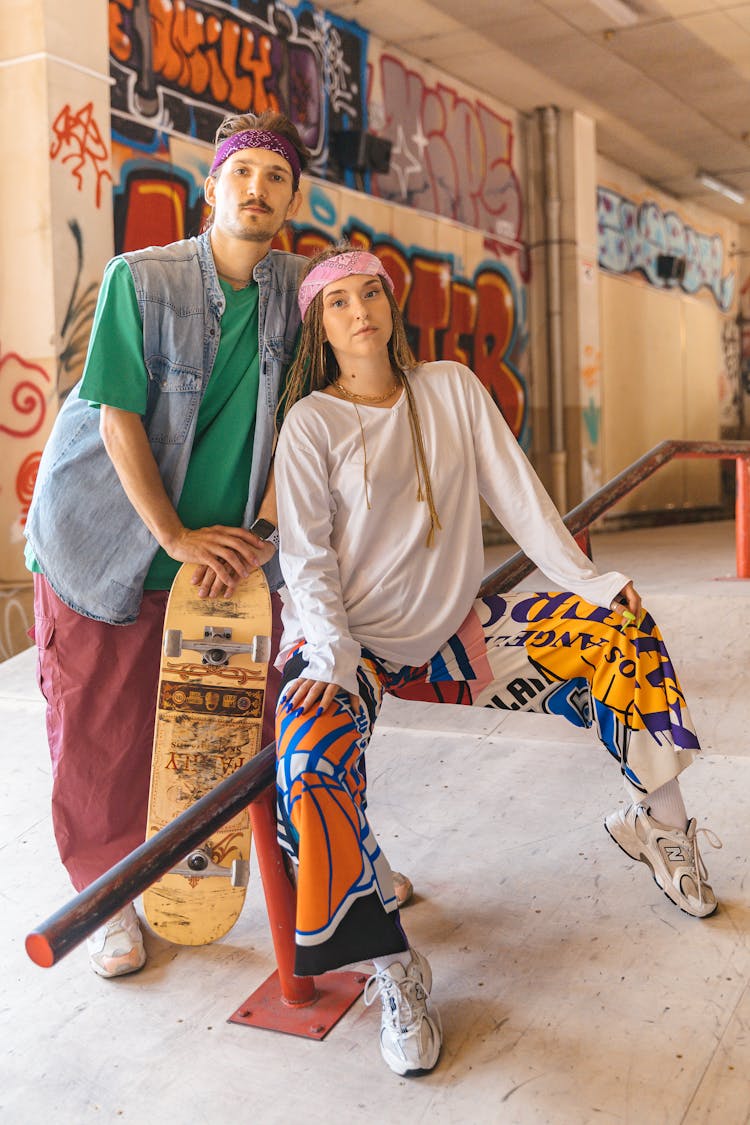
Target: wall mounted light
726, 190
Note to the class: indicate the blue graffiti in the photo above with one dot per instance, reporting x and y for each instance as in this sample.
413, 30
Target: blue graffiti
322, 207
632, 236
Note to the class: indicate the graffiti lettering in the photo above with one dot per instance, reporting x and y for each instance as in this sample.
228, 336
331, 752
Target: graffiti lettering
479, 321
450, 155
632, 236
184, 64
78, 135
223, 58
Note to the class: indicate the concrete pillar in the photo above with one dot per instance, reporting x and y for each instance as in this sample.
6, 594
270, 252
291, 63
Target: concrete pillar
581, 343
579, 321
56, 235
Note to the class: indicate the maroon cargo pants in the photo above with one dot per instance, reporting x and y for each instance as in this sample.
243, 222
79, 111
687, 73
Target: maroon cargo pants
99, 682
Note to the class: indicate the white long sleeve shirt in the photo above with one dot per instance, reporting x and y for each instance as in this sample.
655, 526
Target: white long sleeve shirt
358, 577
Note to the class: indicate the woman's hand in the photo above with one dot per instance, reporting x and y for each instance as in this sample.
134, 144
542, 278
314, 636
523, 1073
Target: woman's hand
307, 693
628, 603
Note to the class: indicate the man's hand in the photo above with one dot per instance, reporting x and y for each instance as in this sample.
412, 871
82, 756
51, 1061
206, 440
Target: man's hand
224, 556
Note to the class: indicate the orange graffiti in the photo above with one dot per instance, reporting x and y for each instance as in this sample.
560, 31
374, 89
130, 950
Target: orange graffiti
201, 52
25, 481
26, 397
119, 41
397, 265
156, 214
591, 367
457, 340
473, 321
310, 243
429, 303
80, 134
493, 335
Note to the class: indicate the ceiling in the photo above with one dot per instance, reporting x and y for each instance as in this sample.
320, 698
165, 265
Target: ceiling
669, 91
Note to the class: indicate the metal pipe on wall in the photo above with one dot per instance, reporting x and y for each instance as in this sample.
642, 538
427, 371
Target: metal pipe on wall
548, 118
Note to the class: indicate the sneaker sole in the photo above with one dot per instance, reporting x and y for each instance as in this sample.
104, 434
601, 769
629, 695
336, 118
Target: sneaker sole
639, 857
395, 1064
121, 970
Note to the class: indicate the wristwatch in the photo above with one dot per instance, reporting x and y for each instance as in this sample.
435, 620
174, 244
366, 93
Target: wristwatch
265, 530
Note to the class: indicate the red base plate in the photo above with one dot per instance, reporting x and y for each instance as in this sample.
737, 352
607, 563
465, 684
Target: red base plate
336, 992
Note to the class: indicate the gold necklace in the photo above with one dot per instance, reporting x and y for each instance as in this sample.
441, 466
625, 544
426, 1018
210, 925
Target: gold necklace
372, 399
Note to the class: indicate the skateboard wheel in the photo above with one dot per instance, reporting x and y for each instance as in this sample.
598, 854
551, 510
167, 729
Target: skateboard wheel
261, 651
240, 872
173, 642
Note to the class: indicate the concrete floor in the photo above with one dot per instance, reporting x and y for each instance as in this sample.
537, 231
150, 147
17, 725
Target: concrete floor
572, 991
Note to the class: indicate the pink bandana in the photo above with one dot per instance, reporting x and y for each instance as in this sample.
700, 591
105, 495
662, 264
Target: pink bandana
343, 265
259, 138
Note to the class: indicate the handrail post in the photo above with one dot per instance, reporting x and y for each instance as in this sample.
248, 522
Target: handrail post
742, 516
583, 539
281, 900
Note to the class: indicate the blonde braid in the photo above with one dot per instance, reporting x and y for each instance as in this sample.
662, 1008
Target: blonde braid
420, 463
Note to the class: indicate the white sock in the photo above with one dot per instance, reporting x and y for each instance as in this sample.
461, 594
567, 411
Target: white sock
381, 963
667, 806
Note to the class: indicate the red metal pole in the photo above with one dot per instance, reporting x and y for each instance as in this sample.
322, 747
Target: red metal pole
281, 900
742, 517
583, 539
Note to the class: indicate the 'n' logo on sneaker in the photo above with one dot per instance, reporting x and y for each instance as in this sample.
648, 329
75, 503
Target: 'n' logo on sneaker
674, 853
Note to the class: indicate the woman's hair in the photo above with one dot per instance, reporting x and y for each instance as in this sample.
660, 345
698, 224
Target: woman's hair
315, 365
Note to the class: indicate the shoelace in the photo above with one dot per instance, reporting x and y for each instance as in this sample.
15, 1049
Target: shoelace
700, 868
385, 987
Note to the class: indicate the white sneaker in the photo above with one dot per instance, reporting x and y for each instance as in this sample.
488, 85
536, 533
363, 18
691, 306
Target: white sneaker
410, 1030
672, 855
116, 948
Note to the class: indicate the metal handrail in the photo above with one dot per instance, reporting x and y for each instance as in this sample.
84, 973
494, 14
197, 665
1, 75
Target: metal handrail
113, 890
137, 871
579, 519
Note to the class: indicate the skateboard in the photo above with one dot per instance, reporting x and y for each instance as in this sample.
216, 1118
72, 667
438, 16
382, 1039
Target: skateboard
209, 716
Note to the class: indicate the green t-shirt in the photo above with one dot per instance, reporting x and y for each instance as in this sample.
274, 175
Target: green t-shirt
218, 474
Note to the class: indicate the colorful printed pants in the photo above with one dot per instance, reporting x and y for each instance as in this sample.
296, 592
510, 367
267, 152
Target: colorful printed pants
548, 652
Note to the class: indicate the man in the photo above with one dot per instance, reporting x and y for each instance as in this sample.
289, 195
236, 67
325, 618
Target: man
188, 346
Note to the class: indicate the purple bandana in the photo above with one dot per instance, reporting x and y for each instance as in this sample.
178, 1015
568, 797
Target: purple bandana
343, 265
259, 138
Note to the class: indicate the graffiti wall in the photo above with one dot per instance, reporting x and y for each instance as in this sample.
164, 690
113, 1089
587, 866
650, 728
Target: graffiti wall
633, 236
668, 336
636, 230
741, 351
124, 166
57, 235
178, 68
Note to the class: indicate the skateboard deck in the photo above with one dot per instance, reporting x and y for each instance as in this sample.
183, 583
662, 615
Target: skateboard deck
209, 716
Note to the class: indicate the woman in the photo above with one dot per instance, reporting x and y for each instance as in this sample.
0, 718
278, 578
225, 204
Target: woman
380, 466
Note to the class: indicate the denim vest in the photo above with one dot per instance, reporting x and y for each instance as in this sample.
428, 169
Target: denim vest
89, 541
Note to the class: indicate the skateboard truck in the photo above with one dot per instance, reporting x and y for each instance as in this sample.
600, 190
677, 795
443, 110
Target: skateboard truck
217, 646
199, 865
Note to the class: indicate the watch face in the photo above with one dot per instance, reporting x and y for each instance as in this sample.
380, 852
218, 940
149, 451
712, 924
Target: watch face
264, 529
